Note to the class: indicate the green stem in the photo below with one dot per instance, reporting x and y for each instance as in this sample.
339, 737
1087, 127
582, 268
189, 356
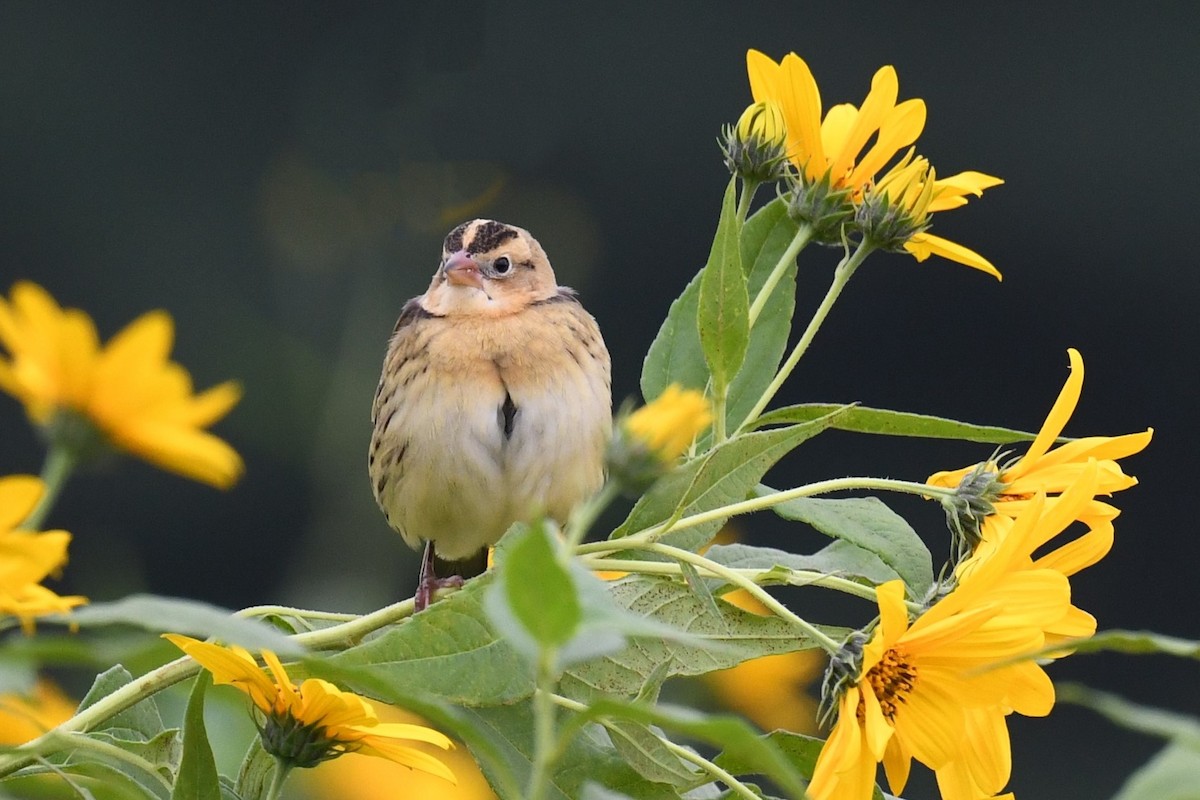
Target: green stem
277, 779
60, 463
682, 752
543, 723
720, 396
799, 241
584, 515
749, 189
734, 577
841, 276
767, 501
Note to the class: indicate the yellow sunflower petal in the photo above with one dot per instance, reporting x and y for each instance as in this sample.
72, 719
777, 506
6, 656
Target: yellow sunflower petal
230, 666
395, 750
1056, 420
923, 245
875, 108
800, 102
901, 128
186, 451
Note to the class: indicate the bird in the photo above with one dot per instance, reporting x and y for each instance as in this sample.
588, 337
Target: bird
494, 404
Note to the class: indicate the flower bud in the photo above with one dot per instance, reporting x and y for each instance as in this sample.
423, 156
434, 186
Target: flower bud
756, 147
648, 441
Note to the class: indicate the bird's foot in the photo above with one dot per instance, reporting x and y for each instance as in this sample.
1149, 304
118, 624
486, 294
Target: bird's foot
428, 586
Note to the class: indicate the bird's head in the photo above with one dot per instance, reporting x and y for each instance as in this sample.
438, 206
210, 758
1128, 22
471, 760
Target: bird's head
489, 268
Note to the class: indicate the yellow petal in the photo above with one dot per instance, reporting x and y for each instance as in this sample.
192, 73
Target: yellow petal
194, 454
231, 666
901, 128
800, 101
27, 558
924, 245
211, 405
950, 192
875, 108
836, 128
763, 73
407, 755
18, 495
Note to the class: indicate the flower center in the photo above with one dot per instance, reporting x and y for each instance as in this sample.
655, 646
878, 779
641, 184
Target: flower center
892, 679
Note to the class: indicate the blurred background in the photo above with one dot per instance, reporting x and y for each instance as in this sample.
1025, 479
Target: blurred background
280, 176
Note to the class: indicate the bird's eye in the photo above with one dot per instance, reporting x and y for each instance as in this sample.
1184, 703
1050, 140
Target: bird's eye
502, 265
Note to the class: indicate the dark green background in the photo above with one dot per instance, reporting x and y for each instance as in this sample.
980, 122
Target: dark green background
279, 176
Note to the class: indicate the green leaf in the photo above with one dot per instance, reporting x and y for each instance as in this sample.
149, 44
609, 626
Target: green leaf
739, 739
839, 558
645, 751
862, 419
676, 355
765, 237
1135, 643
1171, 725
449, 651
256, 773
1173, 774
538, 589
590, 756
197, 776
110, 781
726, 474
723, 314
738, 635
140, 722
869, 524
175, 615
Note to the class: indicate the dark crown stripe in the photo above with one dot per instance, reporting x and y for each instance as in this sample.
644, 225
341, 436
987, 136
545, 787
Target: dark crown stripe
454, 239
490, 235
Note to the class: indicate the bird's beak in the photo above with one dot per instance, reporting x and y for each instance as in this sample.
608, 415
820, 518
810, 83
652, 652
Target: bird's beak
461, 270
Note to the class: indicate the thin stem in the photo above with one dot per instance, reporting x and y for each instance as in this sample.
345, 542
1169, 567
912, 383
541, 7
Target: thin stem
802, 238
769, 500
749, 189
795, 577
60, 463
543, 723
277, 779
841, 276
720, 396
584, 516
684, 753
734, 577
295, 613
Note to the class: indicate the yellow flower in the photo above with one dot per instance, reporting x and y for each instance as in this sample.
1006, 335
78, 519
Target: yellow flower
896, 211
127, 390
315, 721
1008, 488
23, 718
832, 147
769, 690
376, 779
667, 426
931, 690
27, 558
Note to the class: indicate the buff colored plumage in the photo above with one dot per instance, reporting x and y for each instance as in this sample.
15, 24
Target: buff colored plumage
495, 400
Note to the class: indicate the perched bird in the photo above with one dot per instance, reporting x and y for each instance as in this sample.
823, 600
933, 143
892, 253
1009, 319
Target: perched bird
495, 402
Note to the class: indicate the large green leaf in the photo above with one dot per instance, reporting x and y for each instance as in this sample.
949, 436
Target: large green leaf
197, 776
449, 651
727, 636
676, 355
726, 474
862, 419
643, 749
765, 238
723, 313
867, 523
